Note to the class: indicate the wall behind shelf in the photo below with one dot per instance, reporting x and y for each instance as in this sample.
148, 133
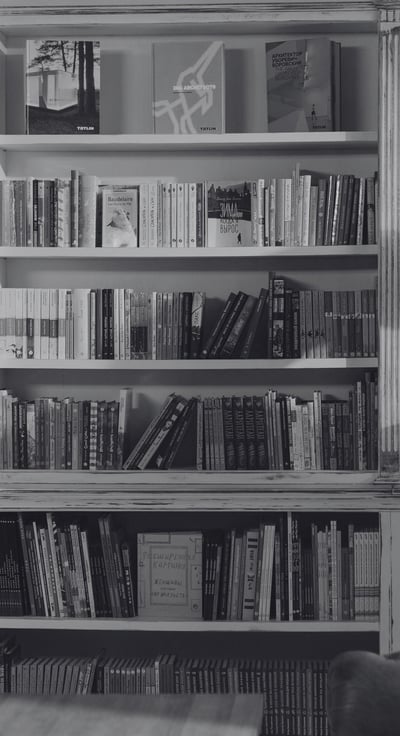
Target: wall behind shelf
126, 105
203, 644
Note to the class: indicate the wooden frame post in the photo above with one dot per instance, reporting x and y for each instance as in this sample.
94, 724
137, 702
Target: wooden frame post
389, 240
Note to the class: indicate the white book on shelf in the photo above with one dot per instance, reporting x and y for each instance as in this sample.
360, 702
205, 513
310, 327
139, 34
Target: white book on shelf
81, 323
37, 341
170, 575
53, 324
87, 211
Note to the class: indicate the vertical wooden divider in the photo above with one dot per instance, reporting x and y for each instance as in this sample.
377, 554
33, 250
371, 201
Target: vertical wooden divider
389, 240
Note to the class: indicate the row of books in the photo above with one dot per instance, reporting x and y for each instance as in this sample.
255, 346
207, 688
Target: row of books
288, 571
270, 432
55, 569
287, 322
283, 322
100, 324
312, 210
179, 69
63, 434
294, 691
302, 210
44, 675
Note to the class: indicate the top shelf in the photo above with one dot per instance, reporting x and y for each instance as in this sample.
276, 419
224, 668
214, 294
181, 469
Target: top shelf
141, 18
349, 140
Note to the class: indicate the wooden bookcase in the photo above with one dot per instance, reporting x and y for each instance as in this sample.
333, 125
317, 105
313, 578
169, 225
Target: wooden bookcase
126, 147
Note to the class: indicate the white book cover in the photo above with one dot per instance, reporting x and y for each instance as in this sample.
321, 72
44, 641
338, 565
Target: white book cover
81, 322
120, 213
9, 312
170, 575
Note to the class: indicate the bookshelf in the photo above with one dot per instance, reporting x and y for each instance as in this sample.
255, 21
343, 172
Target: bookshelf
365, 32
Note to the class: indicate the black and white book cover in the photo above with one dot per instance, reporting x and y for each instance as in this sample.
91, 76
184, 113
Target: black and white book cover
62, 90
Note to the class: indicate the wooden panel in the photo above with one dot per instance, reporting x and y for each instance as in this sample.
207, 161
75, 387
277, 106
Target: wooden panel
167, 714
390, 583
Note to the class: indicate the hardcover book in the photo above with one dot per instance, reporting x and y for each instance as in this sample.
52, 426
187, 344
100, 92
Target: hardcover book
303, 85
229, 214
188, 87
62, 90
120, 216
170, 575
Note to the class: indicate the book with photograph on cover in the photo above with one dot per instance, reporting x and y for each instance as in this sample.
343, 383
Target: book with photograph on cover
62, 90
188, 87
229, 213
120, 216
303, 85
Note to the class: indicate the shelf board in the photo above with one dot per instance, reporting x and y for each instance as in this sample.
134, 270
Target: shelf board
190, 365
349, 140
135, 624
180, 490
165, 17
156, 254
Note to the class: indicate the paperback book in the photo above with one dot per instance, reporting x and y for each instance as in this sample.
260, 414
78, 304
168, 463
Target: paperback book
188, 87
170, 575
303, 85
120, 216
62, 90
229, 214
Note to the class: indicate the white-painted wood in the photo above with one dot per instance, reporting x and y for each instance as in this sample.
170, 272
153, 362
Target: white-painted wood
135, 624
201, 254
213, 492
66, 498
351, 141
191, 365
257, 480
388, 219
390, 583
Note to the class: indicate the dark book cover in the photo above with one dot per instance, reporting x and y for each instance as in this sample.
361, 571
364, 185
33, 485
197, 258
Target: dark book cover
239, 433
226, 331
255, 342
62, 87
219, 324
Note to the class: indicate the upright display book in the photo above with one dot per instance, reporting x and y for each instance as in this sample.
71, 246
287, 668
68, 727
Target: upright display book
188, 87
170, 575
229, 214
303, 85
62, 91
120, 216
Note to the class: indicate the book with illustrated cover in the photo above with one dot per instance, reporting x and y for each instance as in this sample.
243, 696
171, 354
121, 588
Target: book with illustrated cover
229, 214
303, 85
170, 575
62, 92
188, 87
120, 216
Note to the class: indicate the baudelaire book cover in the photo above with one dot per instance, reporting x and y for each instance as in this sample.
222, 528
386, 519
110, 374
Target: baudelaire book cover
62, 86
188, 87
